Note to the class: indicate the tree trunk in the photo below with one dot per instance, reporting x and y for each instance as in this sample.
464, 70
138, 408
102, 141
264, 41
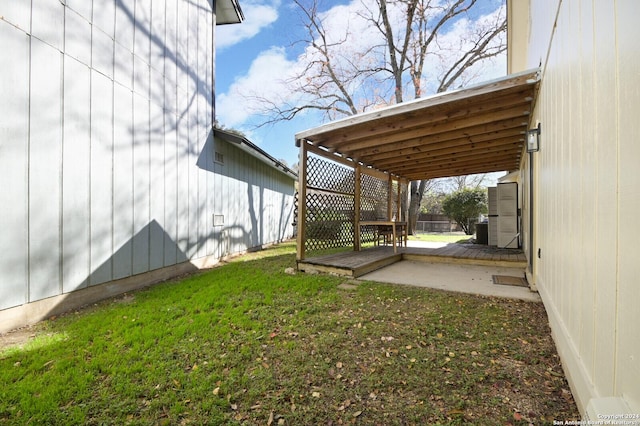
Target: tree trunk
417, 191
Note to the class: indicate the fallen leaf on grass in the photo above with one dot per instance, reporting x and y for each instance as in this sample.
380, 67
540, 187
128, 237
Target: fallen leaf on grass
316, 394
344, 405
357, 413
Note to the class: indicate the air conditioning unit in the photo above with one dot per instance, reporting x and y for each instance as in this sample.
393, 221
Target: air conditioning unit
609, 410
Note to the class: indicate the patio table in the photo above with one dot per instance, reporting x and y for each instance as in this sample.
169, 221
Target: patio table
395, 227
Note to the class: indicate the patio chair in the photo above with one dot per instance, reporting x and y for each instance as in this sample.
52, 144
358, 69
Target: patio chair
384, 234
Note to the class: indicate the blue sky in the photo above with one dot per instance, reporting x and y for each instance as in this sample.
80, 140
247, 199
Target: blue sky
256, 54
268, 25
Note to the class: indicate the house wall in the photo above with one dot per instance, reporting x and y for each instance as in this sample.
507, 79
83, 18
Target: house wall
105, 137
518, 18
586, 182
255, 200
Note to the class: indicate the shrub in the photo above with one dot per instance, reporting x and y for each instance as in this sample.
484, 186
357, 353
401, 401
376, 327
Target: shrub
464, 205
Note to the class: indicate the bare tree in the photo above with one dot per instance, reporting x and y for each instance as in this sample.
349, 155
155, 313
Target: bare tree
409, 48
384, 53
458, 183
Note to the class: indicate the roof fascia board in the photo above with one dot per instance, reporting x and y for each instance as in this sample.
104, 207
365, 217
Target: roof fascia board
254, 150
417, 104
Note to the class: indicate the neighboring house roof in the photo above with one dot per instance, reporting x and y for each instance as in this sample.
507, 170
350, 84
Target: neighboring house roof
254, 150
228, 12
478, 129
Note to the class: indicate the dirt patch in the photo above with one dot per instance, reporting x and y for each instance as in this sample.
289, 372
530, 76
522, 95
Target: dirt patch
17, 337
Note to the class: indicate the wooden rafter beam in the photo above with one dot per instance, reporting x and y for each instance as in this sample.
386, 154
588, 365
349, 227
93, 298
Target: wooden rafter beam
518, 124
490, 161
465, 149
461, 143
447, 127
470, 109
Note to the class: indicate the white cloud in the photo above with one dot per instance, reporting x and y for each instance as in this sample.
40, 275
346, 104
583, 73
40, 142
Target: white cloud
264, 79
257, 16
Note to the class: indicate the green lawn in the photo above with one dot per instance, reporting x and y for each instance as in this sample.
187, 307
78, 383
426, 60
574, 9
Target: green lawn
441, 237
246, 343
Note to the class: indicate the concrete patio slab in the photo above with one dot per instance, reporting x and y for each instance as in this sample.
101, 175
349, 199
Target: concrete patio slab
471, 279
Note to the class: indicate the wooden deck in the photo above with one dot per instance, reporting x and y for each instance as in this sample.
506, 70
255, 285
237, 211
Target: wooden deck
352, 263
358, 263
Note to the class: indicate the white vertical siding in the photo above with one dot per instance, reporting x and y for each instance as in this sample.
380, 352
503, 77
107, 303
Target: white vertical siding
16, 13
156, 187
628, 355
77, 32
122, 182
604, 136
107, 150
255, 199
101, 177
14, 151
47, 22
141, 183
83, 7
76, 191
45, 161
586, 190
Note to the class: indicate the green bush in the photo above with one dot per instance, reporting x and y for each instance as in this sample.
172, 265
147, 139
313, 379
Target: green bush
464, 205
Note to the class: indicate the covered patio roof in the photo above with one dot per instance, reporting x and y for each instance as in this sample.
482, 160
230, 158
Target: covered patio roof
479, 129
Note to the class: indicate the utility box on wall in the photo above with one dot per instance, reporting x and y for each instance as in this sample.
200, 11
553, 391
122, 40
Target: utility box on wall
503, 216
493, 216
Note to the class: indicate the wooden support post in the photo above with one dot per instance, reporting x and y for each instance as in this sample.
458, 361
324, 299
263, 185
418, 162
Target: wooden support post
356, 207
398, 199
389, 198
405, 229
302, 200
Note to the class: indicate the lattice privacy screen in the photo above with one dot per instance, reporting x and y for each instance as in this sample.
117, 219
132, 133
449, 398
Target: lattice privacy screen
329, 221
329, 176
330, 204
374, 201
